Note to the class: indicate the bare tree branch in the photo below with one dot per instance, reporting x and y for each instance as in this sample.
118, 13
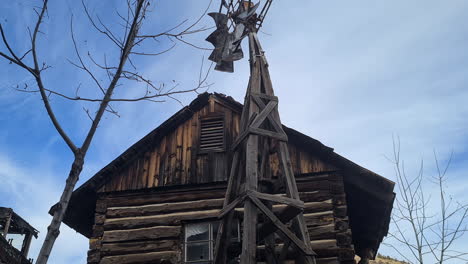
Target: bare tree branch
430, 236
132, 23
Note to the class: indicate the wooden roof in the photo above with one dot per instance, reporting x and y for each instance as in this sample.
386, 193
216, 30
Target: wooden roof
17, 224
370, 196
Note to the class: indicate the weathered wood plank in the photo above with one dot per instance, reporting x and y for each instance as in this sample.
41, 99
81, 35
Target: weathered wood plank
151, 169
322, 232
164, 257
320, 218
165, 219
141, 233
163, 208
123, 248
142, 199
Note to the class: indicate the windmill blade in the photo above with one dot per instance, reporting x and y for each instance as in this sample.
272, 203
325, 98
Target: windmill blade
220, 19
244, 16
225, 66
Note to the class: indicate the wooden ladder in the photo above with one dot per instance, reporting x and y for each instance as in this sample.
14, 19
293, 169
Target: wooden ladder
261, 134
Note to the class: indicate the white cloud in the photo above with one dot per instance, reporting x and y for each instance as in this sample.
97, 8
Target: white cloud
30, 191
351, 75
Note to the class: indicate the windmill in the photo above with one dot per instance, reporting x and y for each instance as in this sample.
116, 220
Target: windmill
261, 135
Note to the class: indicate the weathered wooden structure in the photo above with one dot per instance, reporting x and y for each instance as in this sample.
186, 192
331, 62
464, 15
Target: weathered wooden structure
262, 136
13, 224
160, 200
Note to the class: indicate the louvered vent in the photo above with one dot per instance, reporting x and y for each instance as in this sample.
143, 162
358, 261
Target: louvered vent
212, 134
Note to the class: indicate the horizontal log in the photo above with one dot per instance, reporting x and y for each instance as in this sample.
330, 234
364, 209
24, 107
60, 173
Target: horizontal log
322, 232
344, 239
346, 254
341, 211
313, 207
321, 177
99, 219
165, 220
152, 198
339, 199
141, 233
323, 244
328, 261
98, 230
320, 218
337, 187
94, 256
101, 206
312, 219
325, 248
95, 243
314, 185
112, 249
318, 261
164, 208
341, 225
164, 257
315, 196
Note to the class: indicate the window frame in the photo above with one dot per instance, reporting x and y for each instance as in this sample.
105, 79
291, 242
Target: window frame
211, 239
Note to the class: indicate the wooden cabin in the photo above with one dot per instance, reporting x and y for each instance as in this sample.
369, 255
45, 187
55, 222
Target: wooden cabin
158, 202
15, 238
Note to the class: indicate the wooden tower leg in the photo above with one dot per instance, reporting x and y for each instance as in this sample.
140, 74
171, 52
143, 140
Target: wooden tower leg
260, 124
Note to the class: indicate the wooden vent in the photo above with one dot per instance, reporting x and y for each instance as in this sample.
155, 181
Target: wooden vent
212, 134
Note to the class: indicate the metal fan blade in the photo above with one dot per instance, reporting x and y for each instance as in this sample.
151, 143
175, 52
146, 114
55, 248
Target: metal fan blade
247, 14
220, 19
216, 37
225, 66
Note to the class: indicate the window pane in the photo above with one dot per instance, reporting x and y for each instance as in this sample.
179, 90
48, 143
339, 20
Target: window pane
197, 232
198, 251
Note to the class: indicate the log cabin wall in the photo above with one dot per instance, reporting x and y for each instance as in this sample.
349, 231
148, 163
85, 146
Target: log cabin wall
176, 159
147, 226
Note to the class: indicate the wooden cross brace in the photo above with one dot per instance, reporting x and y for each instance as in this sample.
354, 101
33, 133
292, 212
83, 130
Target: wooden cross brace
260, 125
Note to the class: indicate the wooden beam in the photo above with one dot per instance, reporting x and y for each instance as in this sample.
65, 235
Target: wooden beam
279, 199
163, 257
165, 219
141, 233
264, 114
284, 229
26, 244
124, 248
8, 215
228, 208
267, 133
285, 215
164, 208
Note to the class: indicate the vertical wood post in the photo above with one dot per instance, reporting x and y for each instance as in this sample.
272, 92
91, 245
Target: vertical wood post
26, 244
7, 223
260, 123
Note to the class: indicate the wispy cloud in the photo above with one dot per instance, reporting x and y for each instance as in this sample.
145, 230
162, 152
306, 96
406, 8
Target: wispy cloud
351, 75
30, 191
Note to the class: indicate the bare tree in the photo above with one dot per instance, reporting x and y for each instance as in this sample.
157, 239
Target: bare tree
427, 236
129, 42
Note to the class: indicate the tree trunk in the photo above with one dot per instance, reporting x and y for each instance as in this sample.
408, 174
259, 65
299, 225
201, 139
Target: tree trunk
59, 212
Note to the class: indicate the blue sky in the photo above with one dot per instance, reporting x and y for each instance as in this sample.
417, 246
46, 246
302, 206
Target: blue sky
350, 74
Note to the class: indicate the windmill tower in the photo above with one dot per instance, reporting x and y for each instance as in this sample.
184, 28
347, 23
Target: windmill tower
260, 136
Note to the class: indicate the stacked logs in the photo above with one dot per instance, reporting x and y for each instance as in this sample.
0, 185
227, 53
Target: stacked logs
148, 226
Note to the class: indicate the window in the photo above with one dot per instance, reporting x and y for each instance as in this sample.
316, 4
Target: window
212, 134
200, 241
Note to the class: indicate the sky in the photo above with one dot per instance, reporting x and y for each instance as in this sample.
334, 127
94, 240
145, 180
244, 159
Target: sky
351, 74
